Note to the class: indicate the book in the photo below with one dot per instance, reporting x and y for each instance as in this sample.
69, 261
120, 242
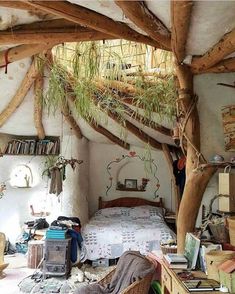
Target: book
191, 250
176, 265
200, 285
175, 258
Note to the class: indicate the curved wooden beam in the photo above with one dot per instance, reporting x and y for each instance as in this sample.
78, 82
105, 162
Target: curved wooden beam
224, 66
20, 93
180, 17
143, 18
98, 128
216, 54
38, 112
92, 19
21, 52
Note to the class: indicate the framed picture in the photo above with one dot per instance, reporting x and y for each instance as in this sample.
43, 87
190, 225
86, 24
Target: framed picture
130, 184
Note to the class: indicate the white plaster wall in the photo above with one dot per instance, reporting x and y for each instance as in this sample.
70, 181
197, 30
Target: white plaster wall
14, 206
102, 154
211, 98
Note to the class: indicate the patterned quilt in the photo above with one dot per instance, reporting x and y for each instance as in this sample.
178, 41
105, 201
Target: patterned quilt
112, 231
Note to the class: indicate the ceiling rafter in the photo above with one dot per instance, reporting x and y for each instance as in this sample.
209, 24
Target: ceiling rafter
22, 51
20, 93
92, 19
51, 36
224, 66
137, 116
216, 54
130, 127
100, 129
144, 19
180, 17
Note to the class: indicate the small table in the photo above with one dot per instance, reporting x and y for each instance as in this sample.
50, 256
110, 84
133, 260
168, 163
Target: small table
170, 219
172, 284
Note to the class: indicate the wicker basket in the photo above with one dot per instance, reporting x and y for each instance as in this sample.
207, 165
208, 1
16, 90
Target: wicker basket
168, 249
139, 287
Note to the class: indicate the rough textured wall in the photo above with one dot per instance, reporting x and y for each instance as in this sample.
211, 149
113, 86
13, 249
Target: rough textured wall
102, 154
211, 98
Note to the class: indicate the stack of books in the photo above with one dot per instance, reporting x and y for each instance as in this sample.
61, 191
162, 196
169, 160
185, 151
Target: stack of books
176, 261
201, 285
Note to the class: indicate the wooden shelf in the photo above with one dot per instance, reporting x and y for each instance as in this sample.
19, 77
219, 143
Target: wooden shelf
130, 189
217, 165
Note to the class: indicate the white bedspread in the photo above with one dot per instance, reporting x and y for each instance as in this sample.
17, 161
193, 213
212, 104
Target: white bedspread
112, 231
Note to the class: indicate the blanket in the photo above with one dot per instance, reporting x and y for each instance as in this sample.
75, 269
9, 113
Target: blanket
130, 267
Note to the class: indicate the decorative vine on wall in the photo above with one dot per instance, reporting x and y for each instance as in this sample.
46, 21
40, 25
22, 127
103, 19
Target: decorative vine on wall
132, 155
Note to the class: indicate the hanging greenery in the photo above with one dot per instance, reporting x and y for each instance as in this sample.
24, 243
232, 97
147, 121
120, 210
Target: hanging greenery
86, 72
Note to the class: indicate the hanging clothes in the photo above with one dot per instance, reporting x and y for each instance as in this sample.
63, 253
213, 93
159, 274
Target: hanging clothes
179, 173
56, 181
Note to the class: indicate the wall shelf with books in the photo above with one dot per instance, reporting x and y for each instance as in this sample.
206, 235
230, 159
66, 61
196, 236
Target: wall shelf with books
31, 145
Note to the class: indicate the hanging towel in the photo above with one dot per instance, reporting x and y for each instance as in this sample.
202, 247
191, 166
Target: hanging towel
56, 181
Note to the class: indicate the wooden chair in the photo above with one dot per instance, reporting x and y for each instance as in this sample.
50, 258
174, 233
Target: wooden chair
140, 286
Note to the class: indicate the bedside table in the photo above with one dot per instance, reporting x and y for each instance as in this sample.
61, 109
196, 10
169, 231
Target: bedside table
170, 219
171, 283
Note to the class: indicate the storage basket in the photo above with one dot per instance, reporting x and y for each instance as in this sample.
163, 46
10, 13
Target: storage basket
138, 287
168, 249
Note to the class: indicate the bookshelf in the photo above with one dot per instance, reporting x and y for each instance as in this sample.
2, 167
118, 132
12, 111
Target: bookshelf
31, 145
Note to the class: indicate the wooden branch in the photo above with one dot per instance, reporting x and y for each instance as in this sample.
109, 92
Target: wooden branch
98, 128
216, 54
180, 18
224, 66
20, 94
143, 18
51, 36
92, 19
59, 25
22, 51
25, 6
38, 112
65, 109
169, 160
130, 127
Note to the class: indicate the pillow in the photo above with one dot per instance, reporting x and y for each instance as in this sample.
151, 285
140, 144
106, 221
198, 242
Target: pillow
113, 211
147, 211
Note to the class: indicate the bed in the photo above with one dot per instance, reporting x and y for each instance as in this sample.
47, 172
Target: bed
122, 224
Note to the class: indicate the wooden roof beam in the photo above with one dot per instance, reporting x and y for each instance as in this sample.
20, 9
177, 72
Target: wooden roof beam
216, 54
20, 94
22, 51
98, 128
224, 66
180, 19
51, 36
144, 19
91, 19
130, 127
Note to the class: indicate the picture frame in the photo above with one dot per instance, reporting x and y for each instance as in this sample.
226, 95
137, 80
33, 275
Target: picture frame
130, 183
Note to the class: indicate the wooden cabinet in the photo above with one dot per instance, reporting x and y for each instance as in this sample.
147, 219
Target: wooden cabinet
171, 284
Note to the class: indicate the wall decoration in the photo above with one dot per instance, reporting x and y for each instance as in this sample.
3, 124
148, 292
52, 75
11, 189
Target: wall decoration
21, 176
132, 184
228, 117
